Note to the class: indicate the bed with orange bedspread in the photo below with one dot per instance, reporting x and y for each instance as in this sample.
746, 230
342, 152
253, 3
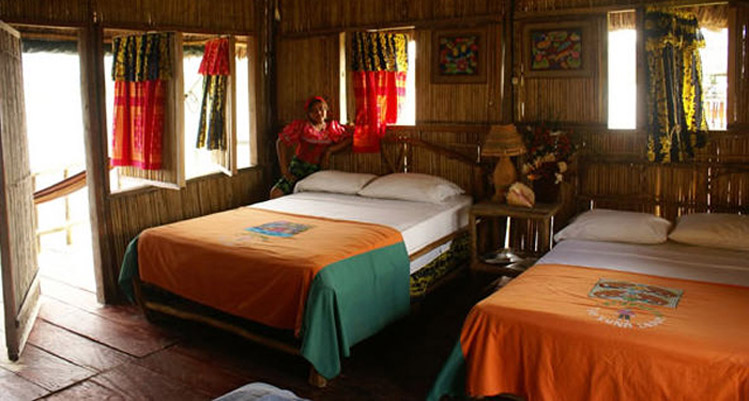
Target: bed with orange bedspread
562, 332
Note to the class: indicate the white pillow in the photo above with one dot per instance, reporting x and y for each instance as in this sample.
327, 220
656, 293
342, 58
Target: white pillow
616, 226
335, 181
411, 186
717, 230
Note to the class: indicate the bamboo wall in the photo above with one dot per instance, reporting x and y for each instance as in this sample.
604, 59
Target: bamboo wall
226, 16
59, 12
307, 67
303, 16
459, 103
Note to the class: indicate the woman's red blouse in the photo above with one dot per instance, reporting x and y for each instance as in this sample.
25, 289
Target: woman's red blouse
312, 143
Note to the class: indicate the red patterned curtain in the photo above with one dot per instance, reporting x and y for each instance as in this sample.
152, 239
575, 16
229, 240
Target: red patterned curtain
380, 62
215, 69
140, 68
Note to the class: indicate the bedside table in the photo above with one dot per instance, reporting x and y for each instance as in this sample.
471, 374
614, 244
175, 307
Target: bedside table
541, 212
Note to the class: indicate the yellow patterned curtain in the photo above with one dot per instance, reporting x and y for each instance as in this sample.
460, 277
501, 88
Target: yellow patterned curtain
676, 123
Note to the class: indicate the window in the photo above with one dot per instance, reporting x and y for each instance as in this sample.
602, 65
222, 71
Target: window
715, 77
407, 112
199, 162
245, 114
622, 82
622, 56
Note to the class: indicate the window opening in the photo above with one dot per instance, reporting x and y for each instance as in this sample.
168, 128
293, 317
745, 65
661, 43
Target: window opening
407, 112
622, 70
715, 77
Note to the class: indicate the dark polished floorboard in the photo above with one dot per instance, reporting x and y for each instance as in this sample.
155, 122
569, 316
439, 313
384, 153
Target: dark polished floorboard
81, 350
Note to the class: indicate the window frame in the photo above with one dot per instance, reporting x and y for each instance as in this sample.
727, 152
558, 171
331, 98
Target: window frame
232, 168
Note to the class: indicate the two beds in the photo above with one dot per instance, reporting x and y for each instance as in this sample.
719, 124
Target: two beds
327, 269
611, 321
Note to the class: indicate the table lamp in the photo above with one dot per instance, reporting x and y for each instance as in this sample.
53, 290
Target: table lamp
503, 141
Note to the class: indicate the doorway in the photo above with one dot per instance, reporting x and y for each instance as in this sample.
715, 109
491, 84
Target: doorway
51, 70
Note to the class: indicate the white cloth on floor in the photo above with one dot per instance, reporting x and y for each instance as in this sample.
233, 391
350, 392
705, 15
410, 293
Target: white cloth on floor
259, 391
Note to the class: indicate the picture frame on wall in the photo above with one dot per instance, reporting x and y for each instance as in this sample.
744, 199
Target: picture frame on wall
459, 56
563, 49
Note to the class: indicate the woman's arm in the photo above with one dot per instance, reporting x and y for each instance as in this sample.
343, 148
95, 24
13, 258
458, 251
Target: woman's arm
282, 150
334, 149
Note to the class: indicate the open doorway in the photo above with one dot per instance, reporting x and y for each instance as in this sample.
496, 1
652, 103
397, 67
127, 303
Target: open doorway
52, 89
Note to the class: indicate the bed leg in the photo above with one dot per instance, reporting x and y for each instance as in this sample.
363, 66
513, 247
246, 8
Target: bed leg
141, 302
316, 379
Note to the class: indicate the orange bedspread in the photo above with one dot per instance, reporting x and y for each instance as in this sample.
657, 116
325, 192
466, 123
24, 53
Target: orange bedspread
572, 333
216, 261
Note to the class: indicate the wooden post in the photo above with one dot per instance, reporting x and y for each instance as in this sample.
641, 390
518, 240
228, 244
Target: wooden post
97, 162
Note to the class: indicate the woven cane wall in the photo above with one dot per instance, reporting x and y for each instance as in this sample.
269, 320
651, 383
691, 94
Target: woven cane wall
229, 16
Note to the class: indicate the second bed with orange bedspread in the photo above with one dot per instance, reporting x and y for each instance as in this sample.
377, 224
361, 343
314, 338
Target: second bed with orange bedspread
561, 332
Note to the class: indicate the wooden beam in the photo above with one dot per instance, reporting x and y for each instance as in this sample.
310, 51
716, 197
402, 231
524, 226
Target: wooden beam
97, 162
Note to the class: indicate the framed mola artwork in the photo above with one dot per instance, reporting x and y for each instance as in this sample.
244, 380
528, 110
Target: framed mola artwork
561, 49
459, 56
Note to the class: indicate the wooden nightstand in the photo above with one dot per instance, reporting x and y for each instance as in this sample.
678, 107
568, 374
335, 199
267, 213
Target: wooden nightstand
541, 212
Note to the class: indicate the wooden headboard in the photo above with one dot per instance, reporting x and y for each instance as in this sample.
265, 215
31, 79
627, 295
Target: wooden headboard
445, 150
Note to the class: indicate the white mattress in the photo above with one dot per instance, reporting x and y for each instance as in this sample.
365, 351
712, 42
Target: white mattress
420, 223
669, 259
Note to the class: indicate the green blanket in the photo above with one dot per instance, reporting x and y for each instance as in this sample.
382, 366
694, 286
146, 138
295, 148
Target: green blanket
452, 377
348, 301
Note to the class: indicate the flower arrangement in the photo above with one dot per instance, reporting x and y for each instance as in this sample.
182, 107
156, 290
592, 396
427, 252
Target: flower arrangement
549, 151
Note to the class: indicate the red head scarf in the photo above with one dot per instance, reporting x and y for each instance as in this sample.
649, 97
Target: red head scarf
314, 99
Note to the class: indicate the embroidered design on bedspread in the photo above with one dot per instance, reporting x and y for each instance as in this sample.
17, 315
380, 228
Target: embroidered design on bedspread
280, 229
634, 292
632, 305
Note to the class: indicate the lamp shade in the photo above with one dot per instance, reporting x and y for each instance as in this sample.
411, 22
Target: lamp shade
503, 140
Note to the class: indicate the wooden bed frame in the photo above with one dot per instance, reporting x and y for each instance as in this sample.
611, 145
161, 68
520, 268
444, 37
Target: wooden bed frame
154, 301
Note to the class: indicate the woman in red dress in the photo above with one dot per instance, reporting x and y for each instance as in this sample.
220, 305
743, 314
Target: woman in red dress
314, 139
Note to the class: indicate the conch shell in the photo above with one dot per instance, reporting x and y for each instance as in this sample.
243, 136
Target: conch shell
520, 195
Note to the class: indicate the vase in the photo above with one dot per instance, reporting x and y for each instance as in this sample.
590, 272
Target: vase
546, 190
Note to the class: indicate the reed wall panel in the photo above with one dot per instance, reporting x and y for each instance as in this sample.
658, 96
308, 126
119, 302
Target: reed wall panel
307, 67
562, 98
58, 12
299, 16
615, 173
476, 103
131, 213
371, 163
574, 100
536, 7
230, 16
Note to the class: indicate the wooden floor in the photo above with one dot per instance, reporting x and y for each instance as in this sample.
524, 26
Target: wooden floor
81, 350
